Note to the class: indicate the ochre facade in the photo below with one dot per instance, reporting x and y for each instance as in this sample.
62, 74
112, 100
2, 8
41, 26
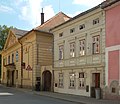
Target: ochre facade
27, 57
24, 58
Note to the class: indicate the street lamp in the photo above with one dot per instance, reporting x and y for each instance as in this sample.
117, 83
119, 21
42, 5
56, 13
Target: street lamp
32, 62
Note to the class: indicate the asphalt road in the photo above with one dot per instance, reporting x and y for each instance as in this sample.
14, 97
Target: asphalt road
13, 96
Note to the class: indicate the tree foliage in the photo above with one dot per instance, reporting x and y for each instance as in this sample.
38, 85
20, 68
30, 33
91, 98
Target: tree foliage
3, 35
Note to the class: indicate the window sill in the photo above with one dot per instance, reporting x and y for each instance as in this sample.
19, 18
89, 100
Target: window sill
82, 55
60, 86
81, 88
95, 53
71, 87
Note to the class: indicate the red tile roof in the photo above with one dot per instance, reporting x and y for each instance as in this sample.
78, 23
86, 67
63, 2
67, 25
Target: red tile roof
18, 32
54, 21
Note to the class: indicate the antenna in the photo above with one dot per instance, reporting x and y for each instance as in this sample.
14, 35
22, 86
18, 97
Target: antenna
42, 10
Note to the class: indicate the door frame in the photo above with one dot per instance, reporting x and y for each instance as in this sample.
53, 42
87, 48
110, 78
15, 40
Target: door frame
44, 80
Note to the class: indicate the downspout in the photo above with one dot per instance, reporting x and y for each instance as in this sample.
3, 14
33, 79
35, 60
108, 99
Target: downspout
21, 64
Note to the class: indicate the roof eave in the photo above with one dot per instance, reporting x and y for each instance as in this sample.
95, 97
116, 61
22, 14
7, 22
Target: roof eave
106, 4
35, 30
79, 15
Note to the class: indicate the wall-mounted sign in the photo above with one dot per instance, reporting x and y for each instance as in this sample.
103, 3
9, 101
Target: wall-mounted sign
29, 68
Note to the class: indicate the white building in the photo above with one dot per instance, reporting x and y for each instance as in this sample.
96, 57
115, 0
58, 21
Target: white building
79, 53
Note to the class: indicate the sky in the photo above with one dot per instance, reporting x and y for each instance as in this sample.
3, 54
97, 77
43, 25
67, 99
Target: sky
25, 14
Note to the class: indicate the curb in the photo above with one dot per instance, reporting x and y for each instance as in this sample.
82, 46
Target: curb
59, 98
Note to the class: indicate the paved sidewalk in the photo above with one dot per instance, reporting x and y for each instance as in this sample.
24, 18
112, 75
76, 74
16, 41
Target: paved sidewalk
76, 98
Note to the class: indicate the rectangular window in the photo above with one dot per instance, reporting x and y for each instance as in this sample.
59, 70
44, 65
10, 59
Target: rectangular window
60, 79
61, 34
82, 47
81, 80
72, 49
17, 56
72, 30
96, 21
9, 59
61, 52
72, 79
12, 58
96, 44
82, 26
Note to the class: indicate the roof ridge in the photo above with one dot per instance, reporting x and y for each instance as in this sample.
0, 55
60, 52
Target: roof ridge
52, 19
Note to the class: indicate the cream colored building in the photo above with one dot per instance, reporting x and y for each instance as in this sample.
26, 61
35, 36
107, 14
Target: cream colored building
79, 54
27, 57
11, 58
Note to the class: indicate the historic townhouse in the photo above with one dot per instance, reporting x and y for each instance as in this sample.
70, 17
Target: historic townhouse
79, 53
27, 56
112, 69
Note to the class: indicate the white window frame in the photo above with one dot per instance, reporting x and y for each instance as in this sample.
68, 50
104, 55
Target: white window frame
72, 49
61, 52
81, 80
96, 44
72, 80
82, 47
61, 80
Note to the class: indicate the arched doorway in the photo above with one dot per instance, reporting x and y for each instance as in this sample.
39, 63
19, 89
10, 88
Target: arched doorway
46, 76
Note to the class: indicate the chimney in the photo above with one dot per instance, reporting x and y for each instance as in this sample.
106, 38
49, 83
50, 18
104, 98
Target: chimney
42, 17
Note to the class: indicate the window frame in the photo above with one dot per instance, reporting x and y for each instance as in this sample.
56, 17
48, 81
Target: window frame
9, 59
82, 47
72, 50
61, 34
72, 81
72, 30
17, 56
96, 44
12, 57
61, 80
96, 21
82, 80
82, 26
61, 52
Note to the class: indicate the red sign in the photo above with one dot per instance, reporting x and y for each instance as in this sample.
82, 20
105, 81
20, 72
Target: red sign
29, 68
